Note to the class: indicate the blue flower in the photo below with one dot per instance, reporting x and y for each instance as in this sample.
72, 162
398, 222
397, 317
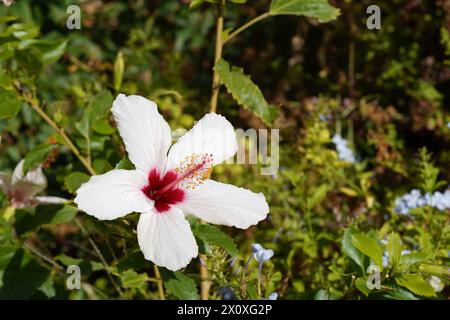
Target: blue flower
260, 254
344, 152
227, 293
415, 199
273, 296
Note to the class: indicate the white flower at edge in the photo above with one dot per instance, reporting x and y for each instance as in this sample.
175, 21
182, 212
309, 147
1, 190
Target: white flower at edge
436, 283
8, 2
170, 182
22, 191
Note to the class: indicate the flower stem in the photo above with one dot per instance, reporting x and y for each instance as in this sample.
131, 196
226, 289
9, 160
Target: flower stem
101, 257
33, 103
205, 284
259, 279
217, 55
245, 26
162, 296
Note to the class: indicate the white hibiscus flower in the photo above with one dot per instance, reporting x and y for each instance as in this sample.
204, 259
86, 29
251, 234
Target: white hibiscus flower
169, 182
22, 191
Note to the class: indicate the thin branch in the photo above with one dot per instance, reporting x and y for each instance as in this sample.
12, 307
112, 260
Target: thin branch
100, 255
217, 56
159, 282
33, 103
233, 34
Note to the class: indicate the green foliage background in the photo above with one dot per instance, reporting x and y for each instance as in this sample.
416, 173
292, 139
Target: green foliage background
386, 91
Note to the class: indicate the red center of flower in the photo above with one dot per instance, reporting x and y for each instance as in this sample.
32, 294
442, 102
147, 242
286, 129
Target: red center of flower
166, 191
163, 190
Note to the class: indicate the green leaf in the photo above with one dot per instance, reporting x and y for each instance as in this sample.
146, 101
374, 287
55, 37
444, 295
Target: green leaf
213, 235
411, 260
6, 83
361, 284
74, 180
251, 291
51, 50
44, 215
132, 279
318, 194
134, 260
416, 284
394, 249
350, 250
197, 3
125, 164
98, 108
245, 92
63, 215
37, 156
183, 287
319, 9
369, 247
20, 275
398, 293
48, 287
10, 103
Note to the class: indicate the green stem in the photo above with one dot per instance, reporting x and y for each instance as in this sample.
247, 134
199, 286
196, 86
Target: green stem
217, 55
101, 257
33, 103
158, 279
233, 34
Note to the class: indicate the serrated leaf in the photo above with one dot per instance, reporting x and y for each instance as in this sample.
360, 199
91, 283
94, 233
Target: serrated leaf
132, 279
416, 284
350, 250
394, 247
10, 103
183, 287
36, 156
319, 9
245, 92
74, 180
213, 235
369, 247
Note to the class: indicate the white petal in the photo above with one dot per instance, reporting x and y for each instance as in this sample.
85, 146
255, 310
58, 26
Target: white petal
213, 134
166, 239
35, 176
114, 194
225, 204
50, 200
144, 131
